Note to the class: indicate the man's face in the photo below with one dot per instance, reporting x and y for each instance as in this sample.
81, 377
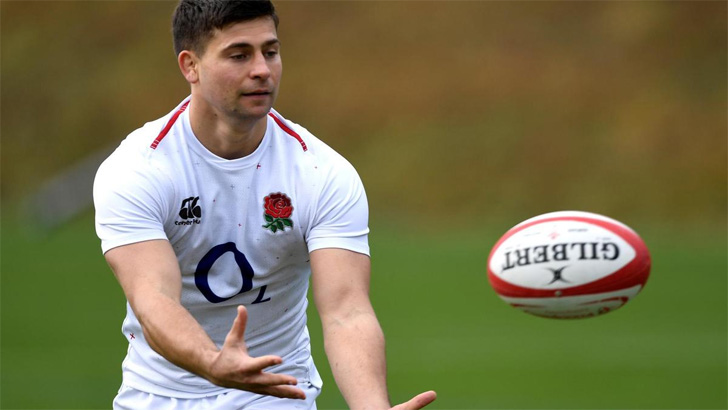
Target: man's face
241, 69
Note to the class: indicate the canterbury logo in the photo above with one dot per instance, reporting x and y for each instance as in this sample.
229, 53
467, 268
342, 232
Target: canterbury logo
190, 209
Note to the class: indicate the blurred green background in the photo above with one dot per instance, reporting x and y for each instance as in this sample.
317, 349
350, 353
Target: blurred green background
463, 118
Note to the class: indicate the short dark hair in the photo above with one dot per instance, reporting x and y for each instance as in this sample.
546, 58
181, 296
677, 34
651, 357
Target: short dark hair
194, 21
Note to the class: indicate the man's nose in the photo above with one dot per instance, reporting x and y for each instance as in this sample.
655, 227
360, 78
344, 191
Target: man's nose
260, 67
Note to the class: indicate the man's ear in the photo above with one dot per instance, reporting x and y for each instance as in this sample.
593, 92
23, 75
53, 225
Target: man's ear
189, 65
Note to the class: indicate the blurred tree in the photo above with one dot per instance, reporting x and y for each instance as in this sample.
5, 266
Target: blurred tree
495, 109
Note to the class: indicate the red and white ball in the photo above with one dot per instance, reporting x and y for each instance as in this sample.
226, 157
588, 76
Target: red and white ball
569, 264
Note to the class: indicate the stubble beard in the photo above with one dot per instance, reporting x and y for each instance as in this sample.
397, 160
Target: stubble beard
247, 111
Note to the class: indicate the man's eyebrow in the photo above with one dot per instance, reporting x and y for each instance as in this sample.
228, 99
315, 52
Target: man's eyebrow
248, 45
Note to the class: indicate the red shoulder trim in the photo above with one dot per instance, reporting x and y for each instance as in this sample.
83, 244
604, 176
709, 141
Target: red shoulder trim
167, 127
288, 130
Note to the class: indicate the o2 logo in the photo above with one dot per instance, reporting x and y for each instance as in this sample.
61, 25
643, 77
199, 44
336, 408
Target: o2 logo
202, 273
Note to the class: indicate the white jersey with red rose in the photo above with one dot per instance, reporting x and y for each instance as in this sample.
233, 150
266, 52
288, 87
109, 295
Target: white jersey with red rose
242, 231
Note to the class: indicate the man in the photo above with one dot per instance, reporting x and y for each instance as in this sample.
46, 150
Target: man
216, 215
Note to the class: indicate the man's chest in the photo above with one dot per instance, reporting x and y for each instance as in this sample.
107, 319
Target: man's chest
234, 229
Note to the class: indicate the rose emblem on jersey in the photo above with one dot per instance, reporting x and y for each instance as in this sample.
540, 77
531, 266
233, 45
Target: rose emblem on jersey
278, 210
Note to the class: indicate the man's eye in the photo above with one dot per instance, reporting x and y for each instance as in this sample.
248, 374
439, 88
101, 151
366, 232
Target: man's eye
271, 53
238, 56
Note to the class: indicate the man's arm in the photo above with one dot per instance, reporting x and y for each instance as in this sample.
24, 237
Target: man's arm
353, 339
150, 277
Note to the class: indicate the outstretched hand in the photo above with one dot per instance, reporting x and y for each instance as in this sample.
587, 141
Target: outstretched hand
233, 367
418, 402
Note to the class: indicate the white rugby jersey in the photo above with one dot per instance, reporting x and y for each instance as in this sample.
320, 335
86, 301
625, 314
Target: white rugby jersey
242, 231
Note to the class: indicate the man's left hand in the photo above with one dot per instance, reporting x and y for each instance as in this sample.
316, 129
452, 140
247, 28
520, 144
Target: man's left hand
418, 402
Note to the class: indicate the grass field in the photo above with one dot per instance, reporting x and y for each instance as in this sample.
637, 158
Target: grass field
446, 329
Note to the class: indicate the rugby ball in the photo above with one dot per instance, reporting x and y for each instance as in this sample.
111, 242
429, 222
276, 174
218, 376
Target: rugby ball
569, 264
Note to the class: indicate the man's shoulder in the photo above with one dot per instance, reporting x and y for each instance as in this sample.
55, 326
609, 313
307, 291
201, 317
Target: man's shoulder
302, 140
138, 147
133, 152
137, 161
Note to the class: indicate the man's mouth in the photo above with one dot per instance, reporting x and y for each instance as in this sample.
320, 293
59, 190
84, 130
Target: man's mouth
257, 92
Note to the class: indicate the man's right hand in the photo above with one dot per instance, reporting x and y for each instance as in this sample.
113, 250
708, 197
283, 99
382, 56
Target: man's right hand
149, 273
233, 367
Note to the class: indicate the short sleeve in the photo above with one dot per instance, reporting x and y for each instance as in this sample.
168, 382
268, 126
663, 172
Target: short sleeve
129, 203
342, 214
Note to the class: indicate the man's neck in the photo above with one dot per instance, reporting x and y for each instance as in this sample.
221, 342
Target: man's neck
226, 137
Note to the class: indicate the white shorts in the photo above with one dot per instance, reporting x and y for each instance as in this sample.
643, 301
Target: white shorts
129, 398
